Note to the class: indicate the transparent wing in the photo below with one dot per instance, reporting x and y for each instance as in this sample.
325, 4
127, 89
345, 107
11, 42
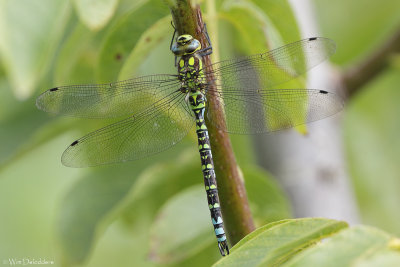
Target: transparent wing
157, 128
109, 100
274, 67
275, 109
247, 87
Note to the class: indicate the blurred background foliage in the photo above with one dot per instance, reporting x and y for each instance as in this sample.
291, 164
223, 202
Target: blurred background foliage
126, 214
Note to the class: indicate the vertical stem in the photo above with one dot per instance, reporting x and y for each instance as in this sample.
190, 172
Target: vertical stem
235, 207
212, 26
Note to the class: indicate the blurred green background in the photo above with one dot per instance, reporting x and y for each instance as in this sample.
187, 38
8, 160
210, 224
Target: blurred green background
129, 214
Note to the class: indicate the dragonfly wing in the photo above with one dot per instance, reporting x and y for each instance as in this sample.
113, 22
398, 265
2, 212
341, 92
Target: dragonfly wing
157, 128
274, 67
275, 109
244, 86
109, 100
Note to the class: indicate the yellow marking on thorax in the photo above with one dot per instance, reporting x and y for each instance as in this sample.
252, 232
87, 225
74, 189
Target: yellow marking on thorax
191, 61
181, 63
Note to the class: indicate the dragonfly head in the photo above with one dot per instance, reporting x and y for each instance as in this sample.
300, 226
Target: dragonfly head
185, 44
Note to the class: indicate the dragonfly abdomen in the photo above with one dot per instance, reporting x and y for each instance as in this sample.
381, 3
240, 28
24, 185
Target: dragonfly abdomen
197, 104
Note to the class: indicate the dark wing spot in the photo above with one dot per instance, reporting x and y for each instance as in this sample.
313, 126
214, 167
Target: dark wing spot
323, 92
312, 39
74, 143
53, 89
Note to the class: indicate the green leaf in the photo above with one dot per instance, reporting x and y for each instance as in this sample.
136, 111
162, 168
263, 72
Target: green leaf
95, 13
101, 196
18, 127
257, 32
30, 32
77, 58
357, 33
281, 17
169, 243
371, 134
275, 243
183, 226
357, 246
267, 200
123, 36
90, 206
163, 180
147, 42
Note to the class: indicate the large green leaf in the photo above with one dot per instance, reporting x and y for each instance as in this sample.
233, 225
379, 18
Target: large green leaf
276, 242
18, 123
95, 13
188, 210
30, 189
357, 26
257, 32
268, 202
148, 41
124, 35
163, 180
282, 18
77, 57
96, 200
355, 246
88, 208
183, 226
373, 147
30, 31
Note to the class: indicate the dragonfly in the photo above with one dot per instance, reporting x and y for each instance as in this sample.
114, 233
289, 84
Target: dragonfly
160, 110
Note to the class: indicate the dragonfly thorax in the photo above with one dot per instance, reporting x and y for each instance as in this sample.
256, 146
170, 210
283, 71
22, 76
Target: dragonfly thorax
190, 73
185, 45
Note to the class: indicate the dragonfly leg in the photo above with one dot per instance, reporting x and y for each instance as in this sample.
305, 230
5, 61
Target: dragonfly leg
173, 36
207, 50
172, 41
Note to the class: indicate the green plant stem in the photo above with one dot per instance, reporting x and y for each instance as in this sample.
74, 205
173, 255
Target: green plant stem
235, 208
